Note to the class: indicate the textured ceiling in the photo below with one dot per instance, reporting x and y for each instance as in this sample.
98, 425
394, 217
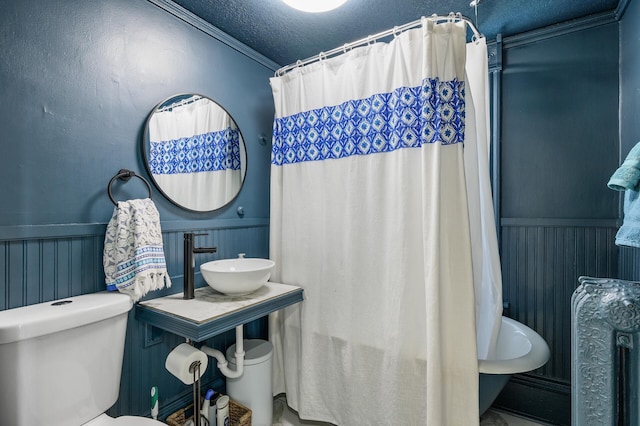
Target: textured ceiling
285, 35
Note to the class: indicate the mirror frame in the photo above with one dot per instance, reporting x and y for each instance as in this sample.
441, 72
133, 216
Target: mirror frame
145, 155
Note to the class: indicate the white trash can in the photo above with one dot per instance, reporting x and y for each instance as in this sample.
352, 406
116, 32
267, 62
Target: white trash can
253, 388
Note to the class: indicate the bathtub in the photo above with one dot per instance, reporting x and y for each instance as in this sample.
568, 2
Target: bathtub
519, 349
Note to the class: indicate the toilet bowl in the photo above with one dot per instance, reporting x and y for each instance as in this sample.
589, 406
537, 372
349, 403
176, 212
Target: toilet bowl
104, 420
70, 353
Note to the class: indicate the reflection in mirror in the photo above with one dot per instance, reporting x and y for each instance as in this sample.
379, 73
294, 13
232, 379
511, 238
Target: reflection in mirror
194, 152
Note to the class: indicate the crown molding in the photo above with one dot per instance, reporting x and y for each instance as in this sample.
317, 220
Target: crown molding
622, 7
202, 25
563, 28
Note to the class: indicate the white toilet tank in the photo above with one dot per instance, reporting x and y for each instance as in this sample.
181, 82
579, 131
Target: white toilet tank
60, 361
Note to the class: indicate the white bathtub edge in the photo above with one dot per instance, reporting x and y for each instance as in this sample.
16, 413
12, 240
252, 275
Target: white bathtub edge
535, 358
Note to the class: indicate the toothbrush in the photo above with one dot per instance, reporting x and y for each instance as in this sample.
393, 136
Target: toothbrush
154, 403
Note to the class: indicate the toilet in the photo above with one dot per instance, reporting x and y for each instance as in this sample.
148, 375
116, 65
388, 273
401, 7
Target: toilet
61, 361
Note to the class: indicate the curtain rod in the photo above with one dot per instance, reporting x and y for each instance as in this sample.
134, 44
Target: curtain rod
372, 38
181, 102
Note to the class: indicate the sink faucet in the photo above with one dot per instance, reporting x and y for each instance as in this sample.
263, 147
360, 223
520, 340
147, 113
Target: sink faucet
190, 263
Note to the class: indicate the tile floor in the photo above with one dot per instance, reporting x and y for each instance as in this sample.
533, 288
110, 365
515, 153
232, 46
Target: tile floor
285, 416
499, 418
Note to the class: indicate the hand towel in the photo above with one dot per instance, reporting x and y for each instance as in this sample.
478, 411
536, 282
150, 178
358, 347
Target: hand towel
627, 175
134, 261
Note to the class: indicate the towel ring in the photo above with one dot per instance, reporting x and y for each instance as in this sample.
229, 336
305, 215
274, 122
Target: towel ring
125, 175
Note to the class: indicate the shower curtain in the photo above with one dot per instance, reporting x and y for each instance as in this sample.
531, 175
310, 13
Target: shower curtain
487, 277
195, 149
370, 215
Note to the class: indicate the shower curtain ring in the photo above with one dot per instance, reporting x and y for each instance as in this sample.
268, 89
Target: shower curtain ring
322, 56
396, 33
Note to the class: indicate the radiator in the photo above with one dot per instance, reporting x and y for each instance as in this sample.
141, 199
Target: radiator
605, 316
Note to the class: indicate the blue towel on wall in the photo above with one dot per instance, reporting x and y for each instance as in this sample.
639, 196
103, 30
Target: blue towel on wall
626, 178
628, 174
629, 232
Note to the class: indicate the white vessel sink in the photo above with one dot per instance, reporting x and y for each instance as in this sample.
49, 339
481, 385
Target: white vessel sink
236, 277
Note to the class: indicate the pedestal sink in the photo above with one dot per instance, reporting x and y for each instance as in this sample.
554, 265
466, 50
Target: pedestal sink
238, 276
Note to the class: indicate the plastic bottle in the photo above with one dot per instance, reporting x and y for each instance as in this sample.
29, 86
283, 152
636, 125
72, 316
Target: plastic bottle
222, 406
204, 411
208, 407
154, 402
213, 412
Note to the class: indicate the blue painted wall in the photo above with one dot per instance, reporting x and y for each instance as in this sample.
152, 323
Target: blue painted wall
629, 112
558, 221
77, 80
630, 78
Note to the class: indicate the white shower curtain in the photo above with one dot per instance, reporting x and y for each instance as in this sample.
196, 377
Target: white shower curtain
487, 276
195, 149
369, 214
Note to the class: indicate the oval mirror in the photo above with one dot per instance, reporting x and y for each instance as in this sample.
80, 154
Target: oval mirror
194, 152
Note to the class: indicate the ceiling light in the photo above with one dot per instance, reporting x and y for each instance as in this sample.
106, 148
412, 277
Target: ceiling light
315, 6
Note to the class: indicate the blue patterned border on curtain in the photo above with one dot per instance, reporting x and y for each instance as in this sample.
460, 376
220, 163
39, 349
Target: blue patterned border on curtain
408, 117
208, 152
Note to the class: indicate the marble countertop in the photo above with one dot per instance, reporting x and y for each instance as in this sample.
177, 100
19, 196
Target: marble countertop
211, 313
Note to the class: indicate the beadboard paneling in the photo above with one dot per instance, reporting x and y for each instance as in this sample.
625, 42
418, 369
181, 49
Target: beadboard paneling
540, 266
35, 270
629, 264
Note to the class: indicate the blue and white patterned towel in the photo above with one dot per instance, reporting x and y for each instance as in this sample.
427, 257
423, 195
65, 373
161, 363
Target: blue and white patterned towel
133, 258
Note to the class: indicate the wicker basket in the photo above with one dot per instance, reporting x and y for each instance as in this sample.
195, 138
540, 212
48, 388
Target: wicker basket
239, 415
